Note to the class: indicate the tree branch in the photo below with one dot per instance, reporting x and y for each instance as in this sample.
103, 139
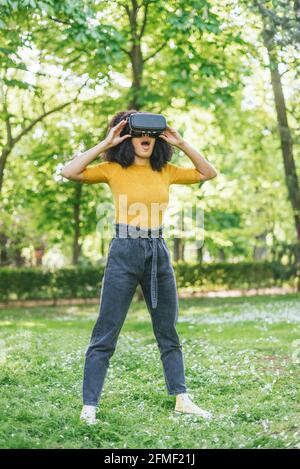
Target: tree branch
277, 20
69, 62
45, 114
156, 52
144, 21
59, 21
125, 50
7, 119
283, 73
8, 132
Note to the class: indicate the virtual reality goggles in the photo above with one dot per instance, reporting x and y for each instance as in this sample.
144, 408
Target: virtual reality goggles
146, 123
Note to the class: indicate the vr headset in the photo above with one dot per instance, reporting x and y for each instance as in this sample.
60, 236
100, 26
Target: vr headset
140, 124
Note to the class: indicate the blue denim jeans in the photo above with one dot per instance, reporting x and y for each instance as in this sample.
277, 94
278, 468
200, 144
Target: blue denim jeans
135, 258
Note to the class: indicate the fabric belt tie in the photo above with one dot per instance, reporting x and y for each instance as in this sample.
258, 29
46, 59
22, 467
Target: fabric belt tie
153, 242
134, 232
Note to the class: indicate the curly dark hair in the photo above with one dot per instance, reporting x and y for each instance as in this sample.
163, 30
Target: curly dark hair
123, 153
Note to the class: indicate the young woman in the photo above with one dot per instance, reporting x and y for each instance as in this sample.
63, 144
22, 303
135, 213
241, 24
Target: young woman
138, 171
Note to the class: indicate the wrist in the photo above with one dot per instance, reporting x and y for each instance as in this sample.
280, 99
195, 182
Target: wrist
103, 146
182, 144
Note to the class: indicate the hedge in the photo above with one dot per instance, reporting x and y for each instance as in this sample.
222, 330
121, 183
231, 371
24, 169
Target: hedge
38, 283
79, 282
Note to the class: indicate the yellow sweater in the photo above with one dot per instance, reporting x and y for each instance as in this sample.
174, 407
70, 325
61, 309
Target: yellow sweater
141, 195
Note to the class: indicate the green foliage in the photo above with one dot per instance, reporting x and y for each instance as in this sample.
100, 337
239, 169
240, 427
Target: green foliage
225, 275
202, 66
15, 283
35, 283
84, 282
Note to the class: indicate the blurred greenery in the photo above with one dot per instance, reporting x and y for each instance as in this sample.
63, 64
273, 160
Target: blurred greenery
225, 73
35, 283
66, 67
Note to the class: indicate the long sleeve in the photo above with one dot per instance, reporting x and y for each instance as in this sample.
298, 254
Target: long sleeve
179, 175
97, 173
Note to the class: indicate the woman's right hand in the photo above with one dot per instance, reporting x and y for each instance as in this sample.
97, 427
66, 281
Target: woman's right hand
113, 137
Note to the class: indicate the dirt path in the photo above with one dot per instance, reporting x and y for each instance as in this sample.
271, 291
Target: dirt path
182, 294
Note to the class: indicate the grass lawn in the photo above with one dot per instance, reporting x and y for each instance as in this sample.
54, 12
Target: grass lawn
242, 360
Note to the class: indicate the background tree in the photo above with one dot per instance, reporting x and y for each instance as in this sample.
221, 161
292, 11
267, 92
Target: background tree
200, 63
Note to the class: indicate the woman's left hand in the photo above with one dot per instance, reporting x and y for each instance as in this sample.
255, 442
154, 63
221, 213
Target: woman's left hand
172, 137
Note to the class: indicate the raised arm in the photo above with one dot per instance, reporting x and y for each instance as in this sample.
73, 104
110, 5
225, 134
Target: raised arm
73, 170
205, 169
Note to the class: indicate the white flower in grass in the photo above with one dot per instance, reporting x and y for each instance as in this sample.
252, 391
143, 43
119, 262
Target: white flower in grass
267, 387
296, 351
265, 424
2, 351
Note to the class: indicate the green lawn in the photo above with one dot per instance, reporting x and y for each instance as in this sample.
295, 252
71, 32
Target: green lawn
242, 362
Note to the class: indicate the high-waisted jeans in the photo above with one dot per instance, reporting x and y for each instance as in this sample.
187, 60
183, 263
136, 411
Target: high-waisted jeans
135, 257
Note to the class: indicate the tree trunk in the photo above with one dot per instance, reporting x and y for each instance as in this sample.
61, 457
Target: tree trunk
3, 158
200, 254
135, 54
19, 259
178, 249
39, 254
260, 250
3, 250
137, 73
221, 255
285, 141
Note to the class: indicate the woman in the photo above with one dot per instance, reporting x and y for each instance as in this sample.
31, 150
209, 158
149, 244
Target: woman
138, 171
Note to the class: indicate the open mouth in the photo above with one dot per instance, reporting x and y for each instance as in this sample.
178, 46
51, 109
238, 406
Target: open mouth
145, 144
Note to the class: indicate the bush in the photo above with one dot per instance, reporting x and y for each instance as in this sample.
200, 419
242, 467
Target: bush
37, 283
85, 282
225, 275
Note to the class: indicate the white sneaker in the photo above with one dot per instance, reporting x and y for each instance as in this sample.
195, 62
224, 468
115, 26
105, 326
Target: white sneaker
88, 414
186, 406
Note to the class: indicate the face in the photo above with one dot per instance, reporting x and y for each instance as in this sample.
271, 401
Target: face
143, 146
